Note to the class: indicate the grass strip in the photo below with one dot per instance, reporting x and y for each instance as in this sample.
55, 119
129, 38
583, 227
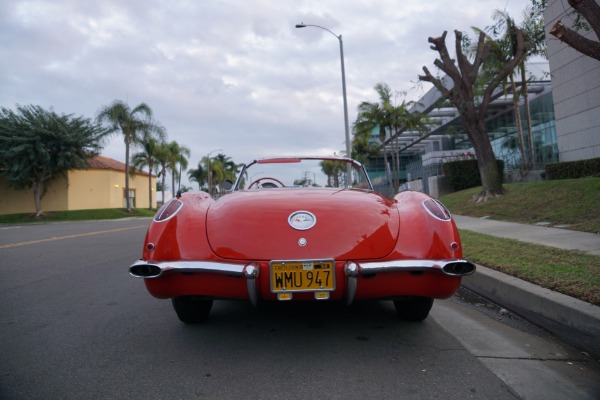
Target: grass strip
76, 215
569, 272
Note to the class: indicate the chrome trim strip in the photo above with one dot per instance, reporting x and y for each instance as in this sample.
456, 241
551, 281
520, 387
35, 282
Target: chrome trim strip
412, 265
192, 266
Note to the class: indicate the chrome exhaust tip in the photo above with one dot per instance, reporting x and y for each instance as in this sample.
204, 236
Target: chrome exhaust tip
143, 270
459, 268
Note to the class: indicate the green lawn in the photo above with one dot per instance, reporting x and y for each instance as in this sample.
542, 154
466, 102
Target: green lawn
573, 202
564, 271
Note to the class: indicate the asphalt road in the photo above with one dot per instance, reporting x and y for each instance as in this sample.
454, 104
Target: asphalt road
75, 325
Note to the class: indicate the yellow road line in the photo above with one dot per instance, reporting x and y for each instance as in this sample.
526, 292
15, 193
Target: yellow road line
6, 246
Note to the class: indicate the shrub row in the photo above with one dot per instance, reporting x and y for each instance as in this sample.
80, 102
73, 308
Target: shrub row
574, 169
464, 174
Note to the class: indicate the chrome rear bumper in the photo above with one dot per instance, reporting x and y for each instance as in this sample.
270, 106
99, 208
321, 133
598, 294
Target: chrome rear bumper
149, 269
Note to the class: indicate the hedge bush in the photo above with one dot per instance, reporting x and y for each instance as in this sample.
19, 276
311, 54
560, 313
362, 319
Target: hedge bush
464, 174
574, 169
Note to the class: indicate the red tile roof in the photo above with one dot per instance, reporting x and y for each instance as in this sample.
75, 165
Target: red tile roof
101, 162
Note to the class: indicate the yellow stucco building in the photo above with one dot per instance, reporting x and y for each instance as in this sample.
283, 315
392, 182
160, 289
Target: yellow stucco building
102, 185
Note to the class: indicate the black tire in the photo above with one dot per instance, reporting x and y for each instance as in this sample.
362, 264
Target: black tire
413, 308
191, 309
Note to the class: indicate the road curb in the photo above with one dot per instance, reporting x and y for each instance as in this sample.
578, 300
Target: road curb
572, 320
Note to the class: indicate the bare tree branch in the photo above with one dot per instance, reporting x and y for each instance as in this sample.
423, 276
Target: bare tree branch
446, 64
436, 82
590, 10
575, 40
466, 68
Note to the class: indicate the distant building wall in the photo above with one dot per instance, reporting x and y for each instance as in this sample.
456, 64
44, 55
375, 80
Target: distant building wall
90, 189
576, 91
86, 189
21, 201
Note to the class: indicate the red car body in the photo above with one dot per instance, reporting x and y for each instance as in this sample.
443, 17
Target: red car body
305, 242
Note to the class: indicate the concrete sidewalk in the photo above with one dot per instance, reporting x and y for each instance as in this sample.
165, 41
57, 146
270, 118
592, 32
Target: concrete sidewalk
547, 236
574, 321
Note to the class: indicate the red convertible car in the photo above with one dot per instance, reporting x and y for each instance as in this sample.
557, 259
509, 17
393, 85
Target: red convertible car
302, 229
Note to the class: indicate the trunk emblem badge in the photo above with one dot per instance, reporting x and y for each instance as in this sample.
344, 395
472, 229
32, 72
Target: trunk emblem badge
302, 220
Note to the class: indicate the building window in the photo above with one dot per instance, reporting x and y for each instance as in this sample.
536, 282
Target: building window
131, 198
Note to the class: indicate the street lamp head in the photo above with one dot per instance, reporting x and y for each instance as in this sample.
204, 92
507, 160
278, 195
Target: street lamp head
300, 25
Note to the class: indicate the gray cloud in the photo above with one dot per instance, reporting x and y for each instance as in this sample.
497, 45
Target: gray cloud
224, 74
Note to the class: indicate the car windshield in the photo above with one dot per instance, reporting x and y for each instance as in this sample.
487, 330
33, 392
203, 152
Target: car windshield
302, 172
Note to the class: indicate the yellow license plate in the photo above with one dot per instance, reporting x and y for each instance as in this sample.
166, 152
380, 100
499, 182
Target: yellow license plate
302, 276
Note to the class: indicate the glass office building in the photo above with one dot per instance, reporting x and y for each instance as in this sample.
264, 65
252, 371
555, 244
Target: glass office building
420, 155
505, 137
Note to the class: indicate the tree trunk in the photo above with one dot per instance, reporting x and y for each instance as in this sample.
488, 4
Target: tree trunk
394, 166
163, 186
127, 205
519, 125
388, 173
173, 181
37, 198
486, 161
150, 186
527, 116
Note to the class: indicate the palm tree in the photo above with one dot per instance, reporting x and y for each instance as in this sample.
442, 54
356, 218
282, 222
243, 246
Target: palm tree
363, 147
504, 49
199, 175
146, 158
385, 117
130, 122
218, 169
372, 116
152, 137
533, 27
177, 155
163, 157
230, 168
332, 169
402, 120
216, 172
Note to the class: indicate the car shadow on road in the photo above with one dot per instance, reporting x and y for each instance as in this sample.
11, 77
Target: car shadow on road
303, 322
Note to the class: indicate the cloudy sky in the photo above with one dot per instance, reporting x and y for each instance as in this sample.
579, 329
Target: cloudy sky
233, 75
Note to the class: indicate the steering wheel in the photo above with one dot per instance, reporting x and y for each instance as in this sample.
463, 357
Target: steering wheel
272, 183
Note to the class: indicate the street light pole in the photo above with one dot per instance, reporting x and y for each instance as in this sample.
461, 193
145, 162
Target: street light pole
346, 124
